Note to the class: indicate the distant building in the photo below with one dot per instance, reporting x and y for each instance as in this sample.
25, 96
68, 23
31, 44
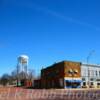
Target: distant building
65, 74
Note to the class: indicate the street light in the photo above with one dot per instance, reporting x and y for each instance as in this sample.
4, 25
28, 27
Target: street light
88, 58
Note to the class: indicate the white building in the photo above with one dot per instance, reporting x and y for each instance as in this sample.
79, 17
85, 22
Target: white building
90, 75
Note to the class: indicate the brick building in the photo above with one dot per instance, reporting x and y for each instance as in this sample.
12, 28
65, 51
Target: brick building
65, 74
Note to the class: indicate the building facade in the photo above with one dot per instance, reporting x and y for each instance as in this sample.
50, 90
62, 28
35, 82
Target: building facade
65, 74
90, 75
69, 74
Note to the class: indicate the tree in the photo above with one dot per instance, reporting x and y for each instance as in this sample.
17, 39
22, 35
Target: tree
14, 74
5, 79
31, 74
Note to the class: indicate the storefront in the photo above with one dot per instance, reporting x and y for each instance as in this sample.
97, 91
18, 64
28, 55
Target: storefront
72, 83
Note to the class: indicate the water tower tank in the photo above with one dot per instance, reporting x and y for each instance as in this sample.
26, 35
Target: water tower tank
23, 63
23, 59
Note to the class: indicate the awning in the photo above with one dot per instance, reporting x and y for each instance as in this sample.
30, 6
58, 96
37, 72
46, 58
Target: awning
74, 81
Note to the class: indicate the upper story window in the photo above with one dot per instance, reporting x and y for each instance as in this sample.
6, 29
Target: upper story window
99, 73
76, 71
96, 73
70, 71
84, 72
73, 71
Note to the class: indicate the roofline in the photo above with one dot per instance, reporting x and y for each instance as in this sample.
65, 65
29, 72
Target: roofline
71, 61
92, 65
60, 62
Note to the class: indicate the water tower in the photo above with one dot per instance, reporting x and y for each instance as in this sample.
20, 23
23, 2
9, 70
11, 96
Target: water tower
22, 63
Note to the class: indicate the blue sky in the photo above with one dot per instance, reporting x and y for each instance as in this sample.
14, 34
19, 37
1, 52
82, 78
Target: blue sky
48, 31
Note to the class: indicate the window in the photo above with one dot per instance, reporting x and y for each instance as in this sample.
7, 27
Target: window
97, 79
91, 79
84, 83
96, 73
98, 83
83, 79
75, 71
70, 71
91, 83
99, 73
72, 84
92, 73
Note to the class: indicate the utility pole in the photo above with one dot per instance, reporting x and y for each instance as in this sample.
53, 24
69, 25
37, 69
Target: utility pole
88, 58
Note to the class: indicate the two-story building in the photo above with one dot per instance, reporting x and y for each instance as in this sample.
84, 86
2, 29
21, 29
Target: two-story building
90, 74
65, 74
